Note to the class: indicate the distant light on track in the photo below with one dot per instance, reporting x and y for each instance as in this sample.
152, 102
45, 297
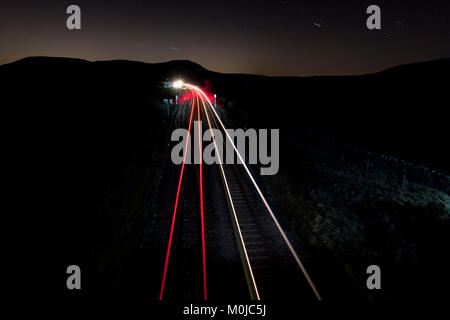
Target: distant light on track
178, 84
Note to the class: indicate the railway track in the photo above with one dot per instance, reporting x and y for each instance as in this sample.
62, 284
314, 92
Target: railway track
248, 211
185, 265
185, 281
258, 250
257, 257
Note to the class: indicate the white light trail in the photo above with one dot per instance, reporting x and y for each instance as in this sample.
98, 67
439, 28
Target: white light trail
252, 278
177, 84
275, 220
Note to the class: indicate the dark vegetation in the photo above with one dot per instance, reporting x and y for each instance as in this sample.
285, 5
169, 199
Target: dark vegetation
353, 213
352, 218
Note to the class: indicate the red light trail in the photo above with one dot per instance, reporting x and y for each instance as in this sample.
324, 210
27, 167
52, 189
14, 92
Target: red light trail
201, 199
175, 208
195, 99
185, 97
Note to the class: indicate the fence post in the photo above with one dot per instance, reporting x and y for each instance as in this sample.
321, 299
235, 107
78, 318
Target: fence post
404, 182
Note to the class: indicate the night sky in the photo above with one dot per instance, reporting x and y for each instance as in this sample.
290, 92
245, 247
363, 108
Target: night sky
269, 37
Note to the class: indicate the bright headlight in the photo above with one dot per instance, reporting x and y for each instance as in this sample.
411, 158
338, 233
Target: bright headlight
178, 84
